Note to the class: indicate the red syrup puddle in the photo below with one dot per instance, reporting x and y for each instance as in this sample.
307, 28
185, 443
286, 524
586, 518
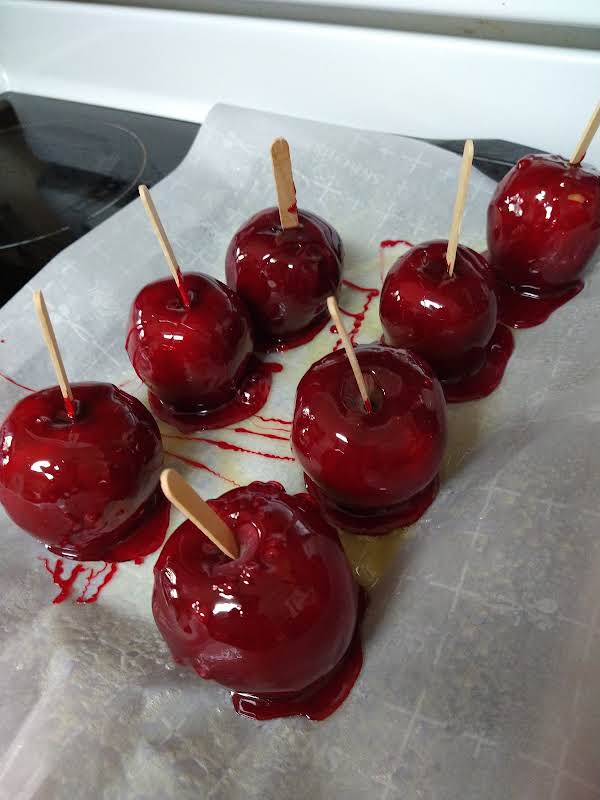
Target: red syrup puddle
149, 532
308, 334
486, 379
527, 310
297, 340
223, 445
249, 398
199, 465
521, 309
264, 435
358, 317
151, 522
375, 522
16, 383
322, 698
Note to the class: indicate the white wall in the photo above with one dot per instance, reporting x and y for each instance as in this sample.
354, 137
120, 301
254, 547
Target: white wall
179, 64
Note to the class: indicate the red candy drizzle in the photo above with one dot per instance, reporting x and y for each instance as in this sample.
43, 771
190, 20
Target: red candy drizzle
105, 573
264, 435
64, 582
199, 465
16, 383
394, 242
275, 419
223, 445
358, 317
69, 408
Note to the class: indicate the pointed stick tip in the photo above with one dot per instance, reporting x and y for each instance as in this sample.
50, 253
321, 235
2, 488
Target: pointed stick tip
184, 497
334, 313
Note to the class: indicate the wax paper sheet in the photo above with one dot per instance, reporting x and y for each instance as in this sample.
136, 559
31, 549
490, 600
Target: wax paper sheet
481, 641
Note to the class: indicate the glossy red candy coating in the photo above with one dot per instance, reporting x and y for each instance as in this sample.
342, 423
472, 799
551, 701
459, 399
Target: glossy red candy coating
446, 319
285, 276
79, 485
366, 461
543, 223
191, 359
274, 620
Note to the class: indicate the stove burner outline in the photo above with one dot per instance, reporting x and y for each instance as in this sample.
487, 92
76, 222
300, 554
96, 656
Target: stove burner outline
97, 212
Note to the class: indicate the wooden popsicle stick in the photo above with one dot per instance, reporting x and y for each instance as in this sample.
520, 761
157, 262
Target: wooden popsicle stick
49, 337
164, 242
284, 183
334, 312
459, 204
586, 137
184, 497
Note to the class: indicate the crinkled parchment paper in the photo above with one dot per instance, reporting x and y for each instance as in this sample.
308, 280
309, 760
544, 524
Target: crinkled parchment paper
481, 678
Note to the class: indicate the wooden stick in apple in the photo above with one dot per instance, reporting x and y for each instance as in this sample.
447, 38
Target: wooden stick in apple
164, 242
334, 312
459, 204
52, 345
586, 137
284, 183
192, 506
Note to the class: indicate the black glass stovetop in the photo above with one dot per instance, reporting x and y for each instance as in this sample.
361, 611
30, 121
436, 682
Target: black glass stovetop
66, 167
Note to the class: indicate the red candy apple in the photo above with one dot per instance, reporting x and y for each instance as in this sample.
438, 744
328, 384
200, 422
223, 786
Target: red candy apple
79, 485
285, 275
372, 472
275, 622
192, 359
446, 319
544, 223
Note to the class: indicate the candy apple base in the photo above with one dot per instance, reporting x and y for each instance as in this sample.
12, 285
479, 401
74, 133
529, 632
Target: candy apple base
141, 535
270, 345
518, 309
374, 522
483, 382
147, 534
278, 625
316, 702
251, 396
